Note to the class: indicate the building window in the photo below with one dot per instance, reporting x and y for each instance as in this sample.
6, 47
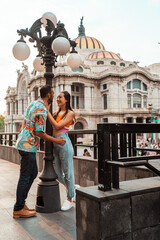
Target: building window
122, 64
72, 88
136, 100
104, 86
77, 102
105, 120
113, 63
129, 120
100, 62
17, 107
148, 120
144, 87
129, 100
73, 102
136, 84
139, 120
105, 101
77, 88
36, 93
129, 85
22, 106
145, 101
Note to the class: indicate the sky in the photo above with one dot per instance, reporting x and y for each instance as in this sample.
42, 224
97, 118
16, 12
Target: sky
128, 27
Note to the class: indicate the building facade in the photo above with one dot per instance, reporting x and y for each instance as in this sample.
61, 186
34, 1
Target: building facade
105, 88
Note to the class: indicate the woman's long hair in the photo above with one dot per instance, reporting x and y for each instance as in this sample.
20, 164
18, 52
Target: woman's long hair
68, 105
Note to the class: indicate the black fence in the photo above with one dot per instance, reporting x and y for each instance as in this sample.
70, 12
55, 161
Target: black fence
117, 148
9, 139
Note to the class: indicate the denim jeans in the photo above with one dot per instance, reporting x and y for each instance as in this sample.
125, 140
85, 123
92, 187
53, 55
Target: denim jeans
28, 172
64, 164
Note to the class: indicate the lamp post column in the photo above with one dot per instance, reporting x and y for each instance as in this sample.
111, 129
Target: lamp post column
48, 196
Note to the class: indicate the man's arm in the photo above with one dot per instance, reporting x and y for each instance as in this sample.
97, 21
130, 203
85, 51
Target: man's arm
47, 137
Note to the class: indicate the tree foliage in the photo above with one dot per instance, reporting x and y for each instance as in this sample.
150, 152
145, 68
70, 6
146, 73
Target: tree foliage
1, 122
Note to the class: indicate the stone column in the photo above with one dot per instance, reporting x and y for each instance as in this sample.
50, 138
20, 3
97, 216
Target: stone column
61, 87
132, 101
134, 119
68, 88
20, 107
16, 107
87, 97
32, 96
144, 134
125, 120
25, 104
11, 108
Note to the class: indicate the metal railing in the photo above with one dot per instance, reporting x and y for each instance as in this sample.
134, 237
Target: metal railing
117, 148
10, 140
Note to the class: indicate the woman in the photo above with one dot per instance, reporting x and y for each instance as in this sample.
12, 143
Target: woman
61, 121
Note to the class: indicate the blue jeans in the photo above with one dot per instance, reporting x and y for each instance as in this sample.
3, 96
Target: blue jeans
64, 164
28, 172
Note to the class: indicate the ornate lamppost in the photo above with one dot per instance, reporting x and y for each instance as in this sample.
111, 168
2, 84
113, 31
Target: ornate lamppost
55, 43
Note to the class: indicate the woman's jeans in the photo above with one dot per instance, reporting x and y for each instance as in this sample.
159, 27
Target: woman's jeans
64, 164
28, 172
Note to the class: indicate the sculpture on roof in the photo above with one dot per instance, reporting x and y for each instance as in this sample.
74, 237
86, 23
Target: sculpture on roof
81, 28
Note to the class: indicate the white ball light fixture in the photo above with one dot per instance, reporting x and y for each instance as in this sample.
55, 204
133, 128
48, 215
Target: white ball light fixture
74, 60
60, 46
51, 16
21, 51
37, 64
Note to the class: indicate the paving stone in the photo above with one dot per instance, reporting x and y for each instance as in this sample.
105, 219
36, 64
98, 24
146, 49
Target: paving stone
50, 226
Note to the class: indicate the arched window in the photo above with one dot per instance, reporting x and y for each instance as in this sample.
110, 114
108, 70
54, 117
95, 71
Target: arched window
145, 101
136, 84
129, 100
122, 64
113, 63
79, 126
136, 100
100, 62
105, 101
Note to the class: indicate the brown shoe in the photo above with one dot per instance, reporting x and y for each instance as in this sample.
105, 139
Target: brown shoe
23, 213
29, 209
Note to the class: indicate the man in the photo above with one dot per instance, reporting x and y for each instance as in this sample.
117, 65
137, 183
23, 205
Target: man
33, 128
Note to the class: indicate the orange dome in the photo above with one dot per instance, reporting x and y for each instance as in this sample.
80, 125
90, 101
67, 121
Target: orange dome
104, 54
88, 42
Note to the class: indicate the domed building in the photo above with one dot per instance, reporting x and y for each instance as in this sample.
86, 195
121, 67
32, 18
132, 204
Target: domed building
105, 88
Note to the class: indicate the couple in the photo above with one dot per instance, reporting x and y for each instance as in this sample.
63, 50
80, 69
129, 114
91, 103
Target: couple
33, 128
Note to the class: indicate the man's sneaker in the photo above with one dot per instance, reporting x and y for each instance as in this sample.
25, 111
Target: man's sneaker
76, 186
23, 213
66, 205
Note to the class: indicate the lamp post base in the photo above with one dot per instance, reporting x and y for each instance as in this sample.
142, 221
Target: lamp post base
48, 197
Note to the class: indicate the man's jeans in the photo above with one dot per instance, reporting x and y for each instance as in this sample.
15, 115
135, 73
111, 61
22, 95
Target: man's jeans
28, 172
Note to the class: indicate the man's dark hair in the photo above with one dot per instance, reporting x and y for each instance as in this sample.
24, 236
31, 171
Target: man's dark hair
45, 90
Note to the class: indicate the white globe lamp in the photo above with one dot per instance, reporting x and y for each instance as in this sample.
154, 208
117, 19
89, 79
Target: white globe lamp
37, 64
51, 16
74, 60
21, 51
60, 46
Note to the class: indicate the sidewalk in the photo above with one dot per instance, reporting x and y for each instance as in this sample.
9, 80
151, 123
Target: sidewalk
44, 226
